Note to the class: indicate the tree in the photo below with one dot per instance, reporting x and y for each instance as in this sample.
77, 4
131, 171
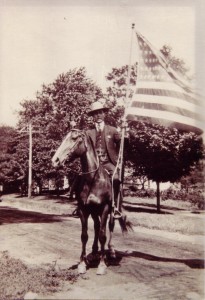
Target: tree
159, 153
56, 105
116, 93
11, 170
164, 154
195, 180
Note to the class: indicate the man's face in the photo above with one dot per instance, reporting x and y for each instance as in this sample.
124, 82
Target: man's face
98, 116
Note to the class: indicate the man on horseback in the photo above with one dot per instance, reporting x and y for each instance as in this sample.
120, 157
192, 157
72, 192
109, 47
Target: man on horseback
97, 149
106, 140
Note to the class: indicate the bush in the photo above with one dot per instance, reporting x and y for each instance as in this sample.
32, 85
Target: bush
196, 197
133, 191
133, 188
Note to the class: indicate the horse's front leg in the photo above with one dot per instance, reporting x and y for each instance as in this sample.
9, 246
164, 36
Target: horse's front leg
102, 238
84, 238
96, 234
111, 229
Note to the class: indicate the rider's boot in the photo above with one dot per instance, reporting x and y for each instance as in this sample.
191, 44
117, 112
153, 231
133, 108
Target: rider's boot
117, 214
117, 204
117, 200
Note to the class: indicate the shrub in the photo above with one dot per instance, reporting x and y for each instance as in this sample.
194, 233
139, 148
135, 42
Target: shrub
196, 197
133, 191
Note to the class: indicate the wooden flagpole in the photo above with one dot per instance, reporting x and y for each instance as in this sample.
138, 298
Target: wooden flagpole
126, 104
119, 166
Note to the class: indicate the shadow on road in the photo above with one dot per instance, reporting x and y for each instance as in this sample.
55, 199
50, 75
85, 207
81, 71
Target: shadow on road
145, 210
148, 207
92, 262
12, 215
192, 263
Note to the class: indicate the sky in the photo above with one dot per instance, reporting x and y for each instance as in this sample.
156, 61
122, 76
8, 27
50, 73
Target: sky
42, 39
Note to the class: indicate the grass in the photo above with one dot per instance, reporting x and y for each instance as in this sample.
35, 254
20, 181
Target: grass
170, 223
17, 279
175, 216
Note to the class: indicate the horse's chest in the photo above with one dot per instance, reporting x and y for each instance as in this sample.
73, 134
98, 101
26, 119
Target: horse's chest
93, 199
99, 193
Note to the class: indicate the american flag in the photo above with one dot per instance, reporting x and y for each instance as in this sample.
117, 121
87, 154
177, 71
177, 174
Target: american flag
162, 96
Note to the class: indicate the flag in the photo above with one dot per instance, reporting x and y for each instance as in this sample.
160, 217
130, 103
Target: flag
162, 96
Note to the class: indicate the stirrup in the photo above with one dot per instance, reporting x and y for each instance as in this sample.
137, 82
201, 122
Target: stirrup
75, 213
117, 214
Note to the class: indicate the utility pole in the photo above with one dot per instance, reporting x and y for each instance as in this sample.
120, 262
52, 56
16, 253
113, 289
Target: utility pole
30, 131
30, 162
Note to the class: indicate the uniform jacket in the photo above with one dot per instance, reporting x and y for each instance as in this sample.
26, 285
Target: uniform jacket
112, 141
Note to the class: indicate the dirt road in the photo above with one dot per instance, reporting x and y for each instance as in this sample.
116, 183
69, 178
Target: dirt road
149, 264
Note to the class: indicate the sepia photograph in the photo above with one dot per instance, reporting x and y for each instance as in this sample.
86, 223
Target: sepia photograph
102, 152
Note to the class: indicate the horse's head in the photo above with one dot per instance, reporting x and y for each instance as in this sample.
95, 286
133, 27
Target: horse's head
73, 146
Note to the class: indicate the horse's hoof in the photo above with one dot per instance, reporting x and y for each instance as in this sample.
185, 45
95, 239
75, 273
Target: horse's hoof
112, 254
82, 268
101, 269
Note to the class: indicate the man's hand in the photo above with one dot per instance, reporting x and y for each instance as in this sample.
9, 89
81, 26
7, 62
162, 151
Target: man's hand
124, 124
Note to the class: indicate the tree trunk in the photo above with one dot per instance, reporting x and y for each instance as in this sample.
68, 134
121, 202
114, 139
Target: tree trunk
158, 197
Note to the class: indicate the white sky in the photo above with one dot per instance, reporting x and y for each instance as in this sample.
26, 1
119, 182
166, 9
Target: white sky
41, 39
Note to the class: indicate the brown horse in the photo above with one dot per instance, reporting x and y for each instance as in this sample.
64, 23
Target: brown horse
94, 195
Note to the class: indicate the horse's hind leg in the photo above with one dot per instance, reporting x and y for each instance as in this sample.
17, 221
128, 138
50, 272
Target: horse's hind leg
84, 239
102, 238
110, 244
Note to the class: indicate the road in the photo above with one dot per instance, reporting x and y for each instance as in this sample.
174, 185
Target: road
149, 265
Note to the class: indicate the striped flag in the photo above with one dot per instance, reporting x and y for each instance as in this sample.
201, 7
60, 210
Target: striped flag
162, 96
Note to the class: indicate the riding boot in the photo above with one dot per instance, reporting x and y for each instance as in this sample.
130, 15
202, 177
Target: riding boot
75, 213
117, 203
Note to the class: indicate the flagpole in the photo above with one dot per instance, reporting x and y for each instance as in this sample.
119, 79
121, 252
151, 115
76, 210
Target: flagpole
126, 104
30, 163
128, 73
119, 165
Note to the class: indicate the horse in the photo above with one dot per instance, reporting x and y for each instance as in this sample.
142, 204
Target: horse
94, 195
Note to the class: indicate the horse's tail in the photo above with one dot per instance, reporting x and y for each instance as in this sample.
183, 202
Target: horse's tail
125, 224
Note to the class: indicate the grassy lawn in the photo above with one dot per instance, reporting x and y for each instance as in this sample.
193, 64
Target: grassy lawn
175, 216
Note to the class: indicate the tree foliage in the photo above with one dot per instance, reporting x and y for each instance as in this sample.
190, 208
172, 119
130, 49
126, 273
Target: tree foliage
117, 92
164, 154
160, 153
56, 105
195, 180
10, 168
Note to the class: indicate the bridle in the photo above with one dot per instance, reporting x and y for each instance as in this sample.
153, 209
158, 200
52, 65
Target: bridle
86, 146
